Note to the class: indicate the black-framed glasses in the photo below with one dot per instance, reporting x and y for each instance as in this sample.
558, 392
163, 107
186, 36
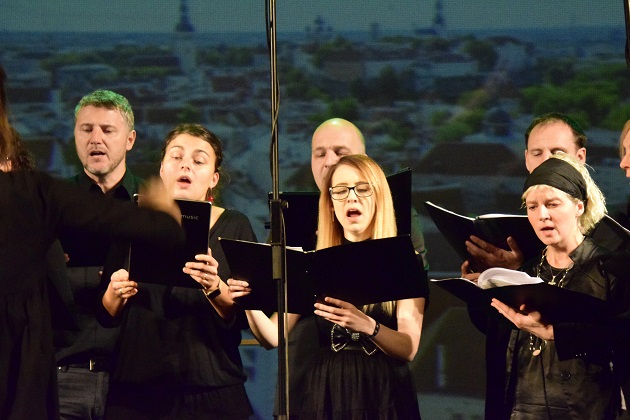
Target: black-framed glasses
341, 192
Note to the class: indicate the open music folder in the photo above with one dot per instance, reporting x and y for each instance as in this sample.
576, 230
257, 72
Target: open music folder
300, 214
515, 288
152, 263
372, 271
492, 228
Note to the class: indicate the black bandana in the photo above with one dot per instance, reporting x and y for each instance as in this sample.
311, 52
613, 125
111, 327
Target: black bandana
558, 174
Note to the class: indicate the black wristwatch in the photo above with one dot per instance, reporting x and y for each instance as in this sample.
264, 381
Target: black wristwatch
211, 294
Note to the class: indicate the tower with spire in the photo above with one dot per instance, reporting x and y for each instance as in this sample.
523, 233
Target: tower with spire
439, 22
183, 40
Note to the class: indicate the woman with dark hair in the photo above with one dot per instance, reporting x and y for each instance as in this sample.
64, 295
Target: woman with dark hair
20, 159
7, 140
13, 152
179, 354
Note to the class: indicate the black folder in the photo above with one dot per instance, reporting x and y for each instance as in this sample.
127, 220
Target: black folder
300, 212
556, 304
611, 235
492, 228
152, 263
300, 218
365, 272
400, 186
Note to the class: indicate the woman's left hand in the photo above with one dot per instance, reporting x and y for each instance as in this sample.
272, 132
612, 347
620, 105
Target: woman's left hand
120, 287
346, 315
204, 271
529, 321
238, 288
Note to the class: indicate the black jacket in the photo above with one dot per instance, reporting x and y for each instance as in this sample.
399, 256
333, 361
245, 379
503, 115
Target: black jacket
581, 348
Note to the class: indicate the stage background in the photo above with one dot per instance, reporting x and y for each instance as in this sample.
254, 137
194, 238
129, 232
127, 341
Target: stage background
446, 88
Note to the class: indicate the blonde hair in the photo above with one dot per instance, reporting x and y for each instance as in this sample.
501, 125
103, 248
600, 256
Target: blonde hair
383, 225
595, 203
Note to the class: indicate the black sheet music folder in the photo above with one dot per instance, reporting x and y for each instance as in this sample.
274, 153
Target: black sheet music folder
153, 264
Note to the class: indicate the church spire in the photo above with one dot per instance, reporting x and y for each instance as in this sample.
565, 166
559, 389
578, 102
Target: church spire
439, 22
184, 24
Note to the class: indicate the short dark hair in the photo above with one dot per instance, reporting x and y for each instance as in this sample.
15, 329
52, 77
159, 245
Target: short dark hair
198, 130
576, 128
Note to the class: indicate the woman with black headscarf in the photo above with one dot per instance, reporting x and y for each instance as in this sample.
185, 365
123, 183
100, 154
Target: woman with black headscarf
540, 370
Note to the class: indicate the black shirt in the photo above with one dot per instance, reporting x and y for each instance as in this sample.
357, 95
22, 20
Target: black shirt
176, 350
87, 257
33, 208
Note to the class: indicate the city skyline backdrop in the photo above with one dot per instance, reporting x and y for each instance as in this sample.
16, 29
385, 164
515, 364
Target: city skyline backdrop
449, 101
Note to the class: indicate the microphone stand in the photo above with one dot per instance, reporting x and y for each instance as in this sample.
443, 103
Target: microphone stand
278, 245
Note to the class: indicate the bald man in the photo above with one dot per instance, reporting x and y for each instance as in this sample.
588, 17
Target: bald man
332, 140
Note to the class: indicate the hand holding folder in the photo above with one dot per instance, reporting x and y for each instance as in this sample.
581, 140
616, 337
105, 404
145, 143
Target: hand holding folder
515, 288
372, 271
152, 263
300, 214
492, 228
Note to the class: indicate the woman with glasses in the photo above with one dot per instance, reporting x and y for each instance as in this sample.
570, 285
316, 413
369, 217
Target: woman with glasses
541, 370
361, 369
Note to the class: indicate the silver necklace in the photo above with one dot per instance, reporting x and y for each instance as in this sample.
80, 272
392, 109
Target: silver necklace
564, 271
537, 345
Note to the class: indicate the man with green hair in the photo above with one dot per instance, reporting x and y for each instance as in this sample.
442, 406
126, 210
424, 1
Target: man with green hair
104, 133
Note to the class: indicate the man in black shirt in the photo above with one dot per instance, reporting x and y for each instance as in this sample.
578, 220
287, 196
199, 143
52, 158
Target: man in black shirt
104, 133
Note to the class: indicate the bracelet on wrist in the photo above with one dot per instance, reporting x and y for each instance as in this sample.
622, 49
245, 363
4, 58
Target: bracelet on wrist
211, 293
377, 327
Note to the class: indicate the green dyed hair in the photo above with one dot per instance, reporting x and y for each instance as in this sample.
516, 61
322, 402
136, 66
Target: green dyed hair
110, 100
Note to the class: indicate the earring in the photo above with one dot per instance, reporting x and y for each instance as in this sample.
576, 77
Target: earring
209, 196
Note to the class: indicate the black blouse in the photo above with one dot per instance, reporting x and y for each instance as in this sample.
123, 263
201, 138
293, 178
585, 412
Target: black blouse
34, 208
173, 338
